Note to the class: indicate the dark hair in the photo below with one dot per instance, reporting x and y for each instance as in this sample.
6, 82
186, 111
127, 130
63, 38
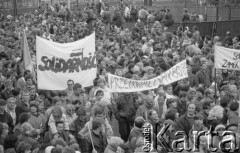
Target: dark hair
234, 106
26, 72
23, 146
182, 94
171, 114
99, 92
207, 92
206, 104
68, 150
95, 81
23, 117
42, 92
198, 117
59, 122
56, 150
76, 86
96, 123
70, 81
28, 77
139, 122
1, 128
16, 91
10, 141
232, 78
224, 101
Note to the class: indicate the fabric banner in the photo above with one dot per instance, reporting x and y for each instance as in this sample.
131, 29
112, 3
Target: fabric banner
226, 58
26, 54
57, 63
120, 84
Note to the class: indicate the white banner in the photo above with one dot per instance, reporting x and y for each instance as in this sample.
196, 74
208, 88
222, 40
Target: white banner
57, 63
120, 84
225, 58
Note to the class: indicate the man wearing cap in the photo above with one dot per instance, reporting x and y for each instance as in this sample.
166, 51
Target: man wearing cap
4, 116
10, 108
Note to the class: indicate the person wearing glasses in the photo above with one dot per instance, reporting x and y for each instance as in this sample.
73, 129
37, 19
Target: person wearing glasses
69, 90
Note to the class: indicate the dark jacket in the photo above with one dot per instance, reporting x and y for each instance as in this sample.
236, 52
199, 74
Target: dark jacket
232, 117
181, 107
203, 77
125, 106
213, 123
20, 108
29, 140
204, 113
183, 123
5, 94
6, 118
99, 142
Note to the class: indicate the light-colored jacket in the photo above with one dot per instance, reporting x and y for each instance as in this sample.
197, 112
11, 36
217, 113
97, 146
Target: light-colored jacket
52, 123
106, 128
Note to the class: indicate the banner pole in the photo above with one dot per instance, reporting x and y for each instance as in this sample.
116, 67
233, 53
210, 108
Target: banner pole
215, 78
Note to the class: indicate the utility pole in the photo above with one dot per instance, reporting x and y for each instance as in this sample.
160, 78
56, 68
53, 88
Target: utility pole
185, 4
15, 8
217, 13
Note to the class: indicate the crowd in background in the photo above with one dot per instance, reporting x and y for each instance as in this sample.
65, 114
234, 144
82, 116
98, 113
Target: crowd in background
80, 119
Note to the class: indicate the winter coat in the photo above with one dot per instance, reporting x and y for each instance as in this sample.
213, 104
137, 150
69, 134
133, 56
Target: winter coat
19, 109
6, 118
99, 142
183, 123
37, 121
232, 117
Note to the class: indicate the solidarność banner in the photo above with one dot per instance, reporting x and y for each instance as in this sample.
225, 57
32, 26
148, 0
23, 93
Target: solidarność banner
57, 63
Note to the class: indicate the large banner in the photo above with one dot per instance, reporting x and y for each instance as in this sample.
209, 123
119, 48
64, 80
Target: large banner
120, 84
226, 58
57, 63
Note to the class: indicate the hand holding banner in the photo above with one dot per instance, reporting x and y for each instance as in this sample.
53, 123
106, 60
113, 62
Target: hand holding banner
120, 84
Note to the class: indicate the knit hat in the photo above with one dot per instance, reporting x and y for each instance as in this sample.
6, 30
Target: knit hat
34, 103
48, 149
219, 127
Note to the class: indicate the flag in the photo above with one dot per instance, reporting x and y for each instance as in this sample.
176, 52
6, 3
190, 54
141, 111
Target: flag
26, 54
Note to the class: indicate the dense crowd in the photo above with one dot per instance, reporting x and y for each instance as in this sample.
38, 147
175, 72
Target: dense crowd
80, 119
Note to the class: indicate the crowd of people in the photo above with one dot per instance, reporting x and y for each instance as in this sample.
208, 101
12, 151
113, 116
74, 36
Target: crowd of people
80, 119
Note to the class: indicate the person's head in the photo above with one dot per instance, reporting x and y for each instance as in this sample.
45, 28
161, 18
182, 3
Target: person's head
34, 105
168, 89
2, 105
8, 84
232, 80
70, 84
57, 101
216, 112
171, 114
139, 122
68, 150
10, 141
26, 73
171, 103
59, 143
81, 113
101, 82
11, 102
203, 63
152, 114
98, 112
27, 129
3, 130
23, 147
198, 120
60, 126
191, 93
70, 109
191, 109
207, 92
220, 129
234, 106
149, 101
56, 150
23, 117
97, 124
57, 113
183, 96
25, 96
224, 101
99, 95
29, 80
114, 142
77, 89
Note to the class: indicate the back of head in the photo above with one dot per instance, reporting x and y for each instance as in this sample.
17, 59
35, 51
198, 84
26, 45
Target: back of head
224, 101
68, 150
97, 122
56, 150
139, 122
234, 106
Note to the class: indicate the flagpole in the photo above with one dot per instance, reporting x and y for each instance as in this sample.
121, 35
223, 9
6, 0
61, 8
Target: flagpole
215, 75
